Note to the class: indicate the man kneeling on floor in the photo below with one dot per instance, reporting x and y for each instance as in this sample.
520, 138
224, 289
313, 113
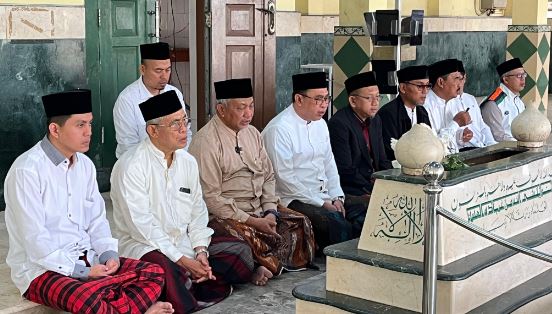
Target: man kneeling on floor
61, 251
160, 215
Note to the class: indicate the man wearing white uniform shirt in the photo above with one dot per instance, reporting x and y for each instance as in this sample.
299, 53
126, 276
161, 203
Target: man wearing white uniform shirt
504, 104
298, 144
161, 218
482, 135
446, 78
155, 70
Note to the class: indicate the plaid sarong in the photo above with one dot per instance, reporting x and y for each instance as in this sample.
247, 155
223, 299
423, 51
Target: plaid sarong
133, 289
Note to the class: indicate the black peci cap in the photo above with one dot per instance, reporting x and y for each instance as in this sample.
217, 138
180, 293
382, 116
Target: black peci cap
160, 105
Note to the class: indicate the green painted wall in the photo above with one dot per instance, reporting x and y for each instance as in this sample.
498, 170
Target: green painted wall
480, 52
28, 70
291, 53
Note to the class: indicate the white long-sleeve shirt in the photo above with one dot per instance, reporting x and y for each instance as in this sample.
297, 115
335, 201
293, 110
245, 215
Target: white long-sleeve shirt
441, 117
54, 213
482, 135
302, 158
158, 208
130, 127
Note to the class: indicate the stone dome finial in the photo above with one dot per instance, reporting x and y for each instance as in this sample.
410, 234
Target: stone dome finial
416, 148
531, 127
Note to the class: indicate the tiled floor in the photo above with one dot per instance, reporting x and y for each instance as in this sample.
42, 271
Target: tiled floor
275, 297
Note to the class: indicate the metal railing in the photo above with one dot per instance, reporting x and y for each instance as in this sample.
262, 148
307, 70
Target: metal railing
433, 173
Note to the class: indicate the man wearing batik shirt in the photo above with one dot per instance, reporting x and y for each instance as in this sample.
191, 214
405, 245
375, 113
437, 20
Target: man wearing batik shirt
61, 252
160, 215
239, 185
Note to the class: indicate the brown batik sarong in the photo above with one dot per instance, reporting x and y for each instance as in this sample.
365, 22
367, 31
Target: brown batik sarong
294, 251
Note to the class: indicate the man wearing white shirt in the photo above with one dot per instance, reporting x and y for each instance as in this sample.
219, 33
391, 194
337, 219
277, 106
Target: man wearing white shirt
298, 144
501, 107
161, 217
61, 252
155, 70
446, 78
482, 135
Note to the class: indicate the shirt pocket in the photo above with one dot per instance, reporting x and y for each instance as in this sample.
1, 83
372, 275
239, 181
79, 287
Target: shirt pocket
83, 217
183, 206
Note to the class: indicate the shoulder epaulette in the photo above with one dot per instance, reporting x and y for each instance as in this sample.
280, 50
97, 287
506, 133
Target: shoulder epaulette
497, 96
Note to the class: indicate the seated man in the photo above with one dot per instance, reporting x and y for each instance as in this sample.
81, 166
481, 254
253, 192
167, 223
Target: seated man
355, 135
445, 78
155, 72
298, 144
501, 107
61, 252
482, 135
400, 114
161, 217
239, 186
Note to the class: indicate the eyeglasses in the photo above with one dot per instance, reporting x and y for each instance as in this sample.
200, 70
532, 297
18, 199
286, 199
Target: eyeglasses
319, 100
420, 87
519, 75
175, 125
370, 98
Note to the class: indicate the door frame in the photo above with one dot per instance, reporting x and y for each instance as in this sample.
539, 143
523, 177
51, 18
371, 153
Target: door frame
200, 59
92, 48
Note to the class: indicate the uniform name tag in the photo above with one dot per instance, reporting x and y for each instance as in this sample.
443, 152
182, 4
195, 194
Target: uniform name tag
185, 190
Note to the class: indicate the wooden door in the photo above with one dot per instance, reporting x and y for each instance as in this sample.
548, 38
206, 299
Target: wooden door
243, 46
115, 29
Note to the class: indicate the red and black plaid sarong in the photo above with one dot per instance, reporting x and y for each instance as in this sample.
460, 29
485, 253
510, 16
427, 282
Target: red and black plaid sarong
232, 263
133, 289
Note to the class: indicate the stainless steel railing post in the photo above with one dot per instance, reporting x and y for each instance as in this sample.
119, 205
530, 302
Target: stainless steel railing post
433, 172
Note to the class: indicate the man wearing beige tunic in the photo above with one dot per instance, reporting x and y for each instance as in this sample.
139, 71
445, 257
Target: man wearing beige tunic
239, 185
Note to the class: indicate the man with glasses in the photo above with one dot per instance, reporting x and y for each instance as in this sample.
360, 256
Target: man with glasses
482, 135
400, 114
501, 107
239, 186
161, 217
357, 145
155, 72
298, 144
446, 79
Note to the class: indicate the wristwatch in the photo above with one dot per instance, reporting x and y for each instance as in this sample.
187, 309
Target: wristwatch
273, 212
202, 250
339, 198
